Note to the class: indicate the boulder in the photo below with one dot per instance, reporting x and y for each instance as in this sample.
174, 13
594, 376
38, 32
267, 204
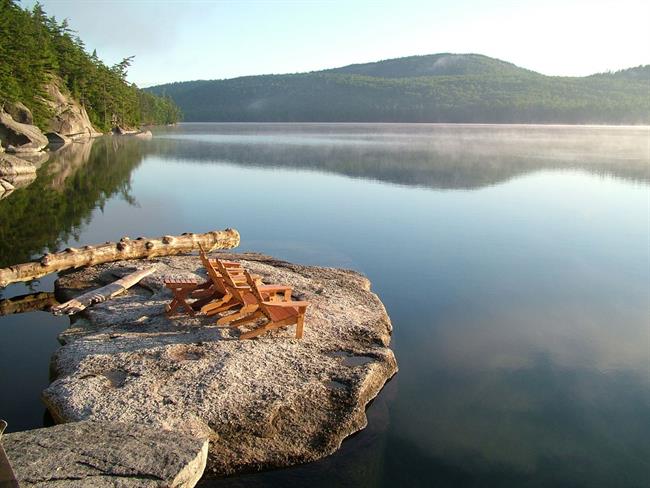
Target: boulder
20, 138
143, 134
118, 130
70, 119
19, 112
105, 455
57, 140
270, 402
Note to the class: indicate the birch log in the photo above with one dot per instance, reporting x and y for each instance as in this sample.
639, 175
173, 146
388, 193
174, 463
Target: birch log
101, 294
140, 248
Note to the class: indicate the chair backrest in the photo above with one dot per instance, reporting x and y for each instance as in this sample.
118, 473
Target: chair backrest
227, 278
255, 291
215, 277
243, 294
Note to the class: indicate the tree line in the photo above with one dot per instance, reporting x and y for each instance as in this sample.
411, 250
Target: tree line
36, 49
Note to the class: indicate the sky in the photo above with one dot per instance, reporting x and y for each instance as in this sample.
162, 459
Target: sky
215, 39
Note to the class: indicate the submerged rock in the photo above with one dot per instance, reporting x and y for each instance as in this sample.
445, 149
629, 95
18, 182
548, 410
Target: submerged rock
20, 138
269, 402
104, 454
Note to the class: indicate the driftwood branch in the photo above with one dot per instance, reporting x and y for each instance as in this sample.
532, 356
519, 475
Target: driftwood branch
27, 303
101, 294
126, 248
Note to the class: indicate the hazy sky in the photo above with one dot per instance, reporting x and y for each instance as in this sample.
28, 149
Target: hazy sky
201, 39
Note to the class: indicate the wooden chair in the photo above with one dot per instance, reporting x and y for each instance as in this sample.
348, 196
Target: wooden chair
184, 288
216, 295
239, 293
278, 313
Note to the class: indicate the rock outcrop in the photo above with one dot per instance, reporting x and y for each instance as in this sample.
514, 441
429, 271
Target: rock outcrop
269, 402
57, 140
103, 454
20, 138
70, 119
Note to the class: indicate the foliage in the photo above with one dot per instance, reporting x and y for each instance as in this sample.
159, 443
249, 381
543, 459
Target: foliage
34, 48
436, 88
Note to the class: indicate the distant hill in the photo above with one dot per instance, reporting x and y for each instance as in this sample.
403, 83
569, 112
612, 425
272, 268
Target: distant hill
445, 64
434, 88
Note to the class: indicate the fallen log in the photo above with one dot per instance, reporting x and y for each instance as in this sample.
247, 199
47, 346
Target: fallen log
101, 294
140, 248
27, 303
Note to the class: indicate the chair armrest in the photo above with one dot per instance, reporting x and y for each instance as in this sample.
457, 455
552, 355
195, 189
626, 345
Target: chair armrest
273, 287
286, 304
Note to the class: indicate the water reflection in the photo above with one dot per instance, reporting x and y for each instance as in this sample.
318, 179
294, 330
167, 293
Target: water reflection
435, 156
520, 307
53, 209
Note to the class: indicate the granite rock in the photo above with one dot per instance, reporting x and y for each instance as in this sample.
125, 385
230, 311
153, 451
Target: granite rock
105, 454
265, 403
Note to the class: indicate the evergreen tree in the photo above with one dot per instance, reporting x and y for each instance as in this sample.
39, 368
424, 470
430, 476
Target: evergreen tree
36, 49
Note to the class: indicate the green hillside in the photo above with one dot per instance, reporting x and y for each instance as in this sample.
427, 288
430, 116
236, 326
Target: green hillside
435, 88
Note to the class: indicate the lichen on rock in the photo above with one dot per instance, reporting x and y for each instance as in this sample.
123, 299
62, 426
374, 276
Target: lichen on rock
269, 402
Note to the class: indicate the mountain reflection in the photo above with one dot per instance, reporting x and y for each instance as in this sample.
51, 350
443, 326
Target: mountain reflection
442, 157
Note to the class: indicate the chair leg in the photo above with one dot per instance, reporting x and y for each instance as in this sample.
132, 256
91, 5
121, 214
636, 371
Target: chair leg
190, 310
254, 316
255, 332
217, 306
247, 310
267, 327
300, 325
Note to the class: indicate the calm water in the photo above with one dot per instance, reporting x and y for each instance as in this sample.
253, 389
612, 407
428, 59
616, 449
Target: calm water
513, 261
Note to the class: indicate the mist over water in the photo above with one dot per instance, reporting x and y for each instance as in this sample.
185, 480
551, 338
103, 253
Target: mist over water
514, 262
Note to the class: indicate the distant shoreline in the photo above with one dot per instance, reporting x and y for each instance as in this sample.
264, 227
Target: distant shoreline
454, 124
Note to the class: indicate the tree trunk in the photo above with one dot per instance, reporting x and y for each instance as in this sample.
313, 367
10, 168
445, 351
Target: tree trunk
101, 294
126, 248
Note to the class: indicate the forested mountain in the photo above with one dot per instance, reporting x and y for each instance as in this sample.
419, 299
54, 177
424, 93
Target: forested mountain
36, 50
434, 88
445, 64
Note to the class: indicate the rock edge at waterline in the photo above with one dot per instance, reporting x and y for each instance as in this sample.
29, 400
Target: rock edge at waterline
103, 454
270, 402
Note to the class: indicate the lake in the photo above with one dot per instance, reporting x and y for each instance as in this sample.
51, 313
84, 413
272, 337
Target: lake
514, 262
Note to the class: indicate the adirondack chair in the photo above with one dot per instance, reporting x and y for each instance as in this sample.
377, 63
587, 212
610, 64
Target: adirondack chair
278, 313
216, 295
239, 293
184, 288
